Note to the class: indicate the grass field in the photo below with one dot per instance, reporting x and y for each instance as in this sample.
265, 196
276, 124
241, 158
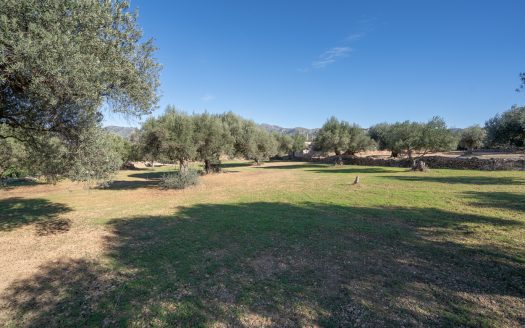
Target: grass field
285, 244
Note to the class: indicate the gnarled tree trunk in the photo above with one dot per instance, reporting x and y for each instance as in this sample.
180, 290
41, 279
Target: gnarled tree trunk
420, 166
411, 158
183, 165
211, 167
207, 166
339, 160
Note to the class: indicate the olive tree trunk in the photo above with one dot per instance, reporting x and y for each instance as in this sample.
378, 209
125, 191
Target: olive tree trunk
183, 165
207, 166
411, 158
339, 160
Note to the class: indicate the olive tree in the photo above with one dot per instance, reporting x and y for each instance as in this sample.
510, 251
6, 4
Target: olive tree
411, 137
472, 138
403, 137
435, 137
93, 157
61, 61
213, 140
255, 143
378, 133
249, 140
149, 140
96, 157
341, 137
236, 128
285, 144
6, 156
358, 140
13, 156
264, 146
122, 146
507, 129
177, 136
298, 144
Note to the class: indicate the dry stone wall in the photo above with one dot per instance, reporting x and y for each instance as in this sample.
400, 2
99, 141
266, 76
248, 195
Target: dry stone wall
438, 162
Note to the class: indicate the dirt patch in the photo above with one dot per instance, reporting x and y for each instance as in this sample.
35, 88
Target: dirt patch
255, 320
267, 265
24, 250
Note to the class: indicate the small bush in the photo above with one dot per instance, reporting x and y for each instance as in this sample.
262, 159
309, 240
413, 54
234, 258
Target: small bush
15, 172
104, 184
180, 180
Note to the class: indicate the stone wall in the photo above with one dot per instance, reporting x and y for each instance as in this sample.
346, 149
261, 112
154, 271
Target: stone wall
438, 162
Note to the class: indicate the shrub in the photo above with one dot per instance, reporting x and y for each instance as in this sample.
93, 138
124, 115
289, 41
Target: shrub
180, 179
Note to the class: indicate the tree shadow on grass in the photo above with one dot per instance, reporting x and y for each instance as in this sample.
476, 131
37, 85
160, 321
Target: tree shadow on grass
500, 199
293, 166
151, 175
149, 179
357, 169
235, 165
8, 184
16, 212
474, 180
131, 184
327, 168
276, 264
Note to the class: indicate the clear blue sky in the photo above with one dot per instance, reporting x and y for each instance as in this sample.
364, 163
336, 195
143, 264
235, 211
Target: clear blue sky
295, 63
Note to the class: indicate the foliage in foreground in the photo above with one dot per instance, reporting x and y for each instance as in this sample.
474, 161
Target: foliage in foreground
60, 62
95, 156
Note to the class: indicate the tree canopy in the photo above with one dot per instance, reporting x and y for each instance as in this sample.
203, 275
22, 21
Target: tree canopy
472, 138
378, 134
342, 137
507, 129
62, 60
213, 140
94, 157
410, 137
178, 137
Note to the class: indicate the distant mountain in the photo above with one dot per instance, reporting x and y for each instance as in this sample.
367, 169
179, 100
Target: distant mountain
123, 131
274, 128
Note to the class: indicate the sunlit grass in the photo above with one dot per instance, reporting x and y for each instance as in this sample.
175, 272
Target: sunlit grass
283, 244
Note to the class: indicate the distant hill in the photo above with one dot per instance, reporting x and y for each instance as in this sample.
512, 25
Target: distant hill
274, 128
123, 131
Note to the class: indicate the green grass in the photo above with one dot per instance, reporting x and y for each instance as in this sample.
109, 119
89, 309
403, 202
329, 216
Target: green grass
284, 245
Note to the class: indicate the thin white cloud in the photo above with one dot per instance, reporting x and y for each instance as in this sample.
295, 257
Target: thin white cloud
331, 56
208, 97
354, 37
